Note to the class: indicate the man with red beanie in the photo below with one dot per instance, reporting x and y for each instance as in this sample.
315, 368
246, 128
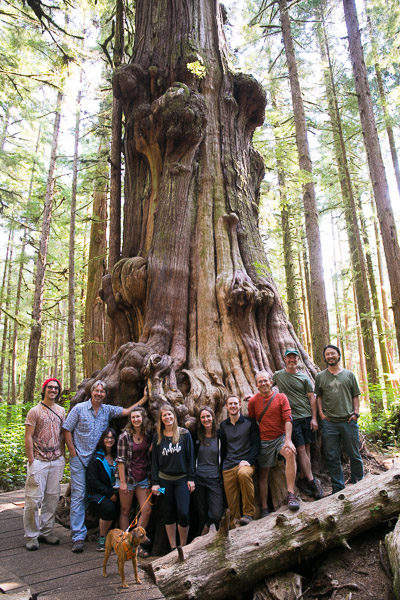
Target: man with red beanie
44, 448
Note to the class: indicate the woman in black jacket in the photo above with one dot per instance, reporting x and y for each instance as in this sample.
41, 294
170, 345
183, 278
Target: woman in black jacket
173, 469
100, 481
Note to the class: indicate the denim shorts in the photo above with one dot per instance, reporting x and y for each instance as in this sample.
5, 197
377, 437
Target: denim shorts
145, 484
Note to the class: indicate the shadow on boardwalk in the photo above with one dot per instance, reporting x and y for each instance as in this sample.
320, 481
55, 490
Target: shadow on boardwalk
54, 572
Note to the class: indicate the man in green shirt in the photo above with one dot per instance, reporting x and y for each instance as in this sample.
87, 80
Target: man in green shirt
299, 391
338, 400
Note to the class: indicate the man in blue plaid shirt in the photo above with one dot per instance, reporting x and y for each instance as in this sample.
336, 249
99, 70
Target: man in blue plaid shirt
82, 429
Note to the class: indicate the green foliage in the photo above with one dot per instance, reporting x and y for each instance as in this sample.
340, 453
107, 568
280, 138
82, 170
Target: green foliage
12, 448
383, 431
197, 69
12, 445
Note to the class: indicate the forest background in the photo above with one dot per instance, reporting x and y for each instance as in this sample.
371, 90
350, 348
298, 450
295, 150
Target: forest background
57, 187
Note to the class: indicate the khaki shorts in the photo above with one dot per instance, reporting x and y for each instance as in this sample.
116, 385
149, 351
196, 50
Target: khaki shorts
269, 453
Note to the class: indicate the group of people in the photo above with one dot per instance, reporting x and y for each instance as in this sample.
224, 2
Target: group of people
214, 466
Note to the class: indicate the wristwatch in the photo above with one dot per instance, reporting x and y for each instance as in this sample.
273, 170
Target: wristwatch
356, 414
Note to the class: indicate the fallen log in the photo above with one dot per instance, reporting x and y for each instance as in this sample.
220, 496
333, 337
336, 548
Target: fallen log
222, 565
392, 542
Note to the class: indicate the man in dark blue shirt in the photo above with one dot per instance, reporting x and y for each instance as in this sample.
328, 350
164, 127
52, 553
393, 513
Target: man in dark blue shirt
240, 446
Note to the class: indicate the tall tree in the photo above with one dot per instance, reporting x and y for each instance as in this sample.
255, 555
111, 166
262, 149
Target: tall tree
375, 162
385, 107
71, 246
6, 308
319, 309
94, 351
353, 232
16, 325
196, 302
36, 328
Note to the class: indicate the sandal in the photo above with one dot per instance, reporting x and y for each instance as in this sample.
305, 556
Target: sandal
142, 553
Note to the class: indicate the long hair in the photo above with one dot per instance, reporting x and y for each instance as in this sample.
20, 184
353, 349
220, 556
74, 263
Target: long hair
100, 443
201, 432
145, 421
160, 425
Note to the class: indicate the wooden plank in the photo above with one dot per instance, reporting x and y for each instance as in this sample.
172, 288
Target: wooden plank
55, 572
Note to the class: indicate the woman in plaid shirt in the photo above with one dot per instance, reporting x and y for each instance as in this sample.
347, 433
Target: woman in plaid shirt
133, 464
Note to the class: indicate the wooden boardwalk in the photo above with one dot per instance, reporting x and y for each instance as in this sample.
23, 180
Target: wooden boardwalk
54, 572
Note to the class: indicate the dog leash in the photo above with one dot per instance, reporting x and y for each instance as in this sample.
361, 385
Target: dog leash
135, 520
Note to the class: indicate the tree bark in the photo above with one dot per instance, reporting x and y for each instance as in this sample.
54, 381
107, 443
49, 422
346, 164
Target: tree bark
319, 309
192, 295
287, 586
392, 542
36, 329
94, 351
116, 147
225, 564
375, 162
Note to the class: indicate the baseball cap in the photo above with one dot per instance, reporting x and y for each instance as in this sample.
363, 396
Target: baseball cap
291, 351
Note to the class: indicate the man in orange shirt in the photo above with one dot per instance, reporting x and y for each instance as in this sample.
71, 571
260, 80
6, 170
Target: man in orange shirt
273, 414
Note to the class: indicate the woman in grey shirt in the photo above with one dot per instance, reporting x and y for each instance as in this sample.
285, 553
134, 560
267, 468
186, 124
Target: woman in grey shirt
208, 495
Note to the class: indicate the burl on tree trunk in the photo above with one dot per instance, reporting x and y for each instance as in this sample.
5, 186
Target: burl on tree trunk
222, 565
193, 285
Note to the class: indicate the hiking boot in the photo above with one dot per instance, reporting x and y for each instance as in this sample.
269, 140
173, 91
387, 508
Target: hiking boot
77, 546
101, 543
51, 539
245, 520
304, 486
292, 501
264, 513
32, 545
316, 489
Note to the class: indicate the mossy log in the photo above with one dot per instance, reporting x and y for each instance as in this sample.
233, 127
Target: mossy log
223, 565
392, 542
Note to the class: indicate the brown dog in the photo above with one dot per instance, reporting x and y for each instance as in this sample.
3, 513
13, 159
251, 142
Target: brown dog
125, 546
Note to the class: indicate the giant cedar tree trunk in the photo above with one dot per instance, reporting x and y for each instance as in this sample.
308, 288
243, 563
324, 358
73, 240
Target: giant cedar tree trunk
192, 295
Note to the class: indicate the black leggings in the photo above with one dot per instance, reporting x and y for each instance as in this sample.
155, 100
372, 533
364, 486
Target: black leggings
108, 509
176, 501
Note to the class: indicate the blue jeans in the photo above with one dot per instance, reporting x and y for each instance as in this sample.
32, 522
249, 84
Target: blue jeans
78, 498
335, 435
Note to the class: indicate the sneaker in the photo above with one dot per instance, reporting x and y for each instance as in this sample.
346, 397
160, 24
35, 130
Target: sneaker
292, 501
316, 489
77, 546
264, 513
304, 486
51, 539
101, 544
32, 544
245, 520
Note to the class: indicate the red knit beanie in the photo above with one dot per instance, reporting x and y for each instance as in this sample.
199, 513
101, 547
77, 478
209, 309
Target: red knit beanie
48, 381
